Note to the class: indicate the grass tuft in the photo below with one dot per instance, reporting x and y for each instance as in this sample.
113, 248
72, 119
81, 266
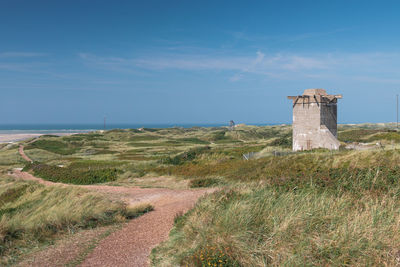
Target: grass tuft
133, 211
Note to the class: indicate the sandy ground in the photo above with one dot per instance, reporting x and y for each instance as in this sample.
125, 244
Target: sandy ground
131, 245
11, 138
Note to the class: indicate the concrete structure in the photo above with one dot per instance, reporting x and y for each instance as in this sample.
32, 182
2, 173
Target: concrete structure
315, 120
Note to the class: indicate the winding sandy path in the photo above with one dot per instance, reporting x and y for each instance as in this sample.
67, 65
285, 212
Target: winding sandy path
131, 246
22, 153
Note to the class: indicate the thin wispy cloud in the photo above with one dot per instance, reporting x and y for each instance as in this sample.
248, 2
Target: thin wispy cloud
252, 37
259, 63
21, 54
276, 66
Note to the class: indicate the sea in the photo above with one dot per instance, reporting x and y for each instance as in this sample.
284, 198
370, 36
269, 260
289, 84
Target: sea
83, 128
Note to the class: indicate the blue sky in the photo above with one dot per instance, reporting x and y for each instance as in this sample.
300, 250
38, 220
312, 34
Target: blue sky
195, 61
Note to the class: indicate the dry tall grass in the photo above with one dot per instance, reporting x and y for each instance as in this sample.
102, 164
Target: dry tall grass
263, 227
31, 213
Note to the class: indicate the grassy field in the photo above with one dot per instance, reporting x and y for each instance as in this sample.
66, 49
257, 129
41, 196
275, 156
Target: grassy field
277, 208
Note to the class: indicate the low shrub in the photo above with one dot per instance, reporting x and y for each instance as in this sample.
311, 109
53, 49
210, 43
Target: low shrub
210, 256
73, 175
338, 172
203, 182
143, 137
95, 164
389, 136
84, 137
219, 136
193, 140
285, 142
186, 156
133, 211
356, 135
55, 146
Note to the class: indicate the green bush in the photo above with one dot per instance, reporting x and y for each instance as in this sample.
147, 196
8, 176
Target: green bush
203, 182
73, 175
186, 156
210, 256
142, 137
284, 141
193, 140
389, 136
356, 135
218, 136
55, 146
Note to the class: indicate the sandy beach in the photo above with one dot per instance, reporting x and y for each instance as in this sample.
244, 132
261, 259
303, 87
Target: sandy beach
15, 137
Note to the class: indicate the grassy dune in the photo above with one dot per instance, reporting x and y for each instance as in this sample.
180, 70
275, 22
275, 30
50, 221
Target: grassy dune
268, 226
306, 208
310, 209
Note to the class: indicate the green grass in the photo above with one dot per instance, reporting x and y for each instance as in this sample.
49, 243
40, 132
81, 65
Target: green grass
137, 138
10, 157
74, 174
318, 165
187, 156
204, 182
55, 146
389, 136
134, 211
42, 155
356, 135
193, 140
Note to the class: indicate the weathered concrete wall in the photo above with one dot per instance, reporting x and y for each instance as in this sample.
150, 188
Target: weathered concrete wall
315, 120
329, 116
306, 124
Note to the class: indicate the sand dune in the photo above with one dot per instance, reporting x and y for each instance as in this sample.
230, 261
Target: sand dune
11, 138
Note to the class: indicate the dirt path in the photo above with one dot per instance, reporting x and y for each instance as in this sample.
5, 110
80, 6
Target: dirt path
22, 153
130, 246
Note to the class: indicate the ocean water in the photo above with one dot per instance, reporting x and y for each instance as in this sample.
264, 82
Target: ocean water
76, 128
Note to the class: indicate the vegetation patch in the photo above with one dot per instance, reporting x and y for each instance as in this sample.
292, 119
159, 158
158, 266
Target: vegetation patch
193, 140
143, 138
134, 211
219, 136
55, 146
269, 227
389, 136
10, 157
203, 182
84, 138
74, 174
210, 256
133, 156
186, 156
340, 172
356, 135
155, 144
95, 164
285, 142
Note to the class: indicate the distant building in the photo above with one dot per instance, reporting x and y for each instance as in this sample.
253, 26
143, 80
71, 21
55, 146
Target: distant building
315, 120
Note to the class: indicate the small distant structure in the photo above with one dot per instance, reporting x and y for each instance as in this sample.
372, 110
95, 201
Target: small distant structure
231, 125
315, 120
